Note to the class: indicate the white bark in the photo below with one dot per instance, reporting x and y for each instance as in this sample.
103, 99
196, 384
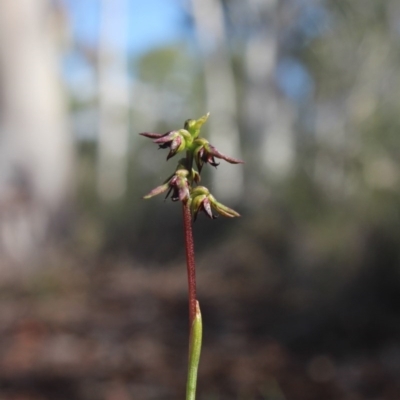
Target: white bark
266, 111
221, 95
35, 146
113, 101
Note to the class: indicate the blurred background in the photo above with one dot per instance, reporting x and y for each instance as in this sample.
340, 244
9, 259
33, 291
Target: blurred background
300, 297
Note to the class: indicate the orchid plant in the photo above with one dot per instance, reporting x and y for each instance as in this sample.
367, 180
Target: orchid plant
183, 185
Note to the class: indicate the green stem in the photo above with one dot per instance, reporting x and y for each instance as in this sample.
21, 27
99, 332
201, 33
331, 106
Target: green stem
196, 333
189, 160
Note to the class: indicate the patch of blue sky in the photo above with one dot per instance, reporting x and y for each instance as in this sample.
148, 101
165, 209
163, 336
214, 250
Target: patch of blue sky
293, 79
138, 25
150, 23
79, 76
314, 21
84, 19
155, 23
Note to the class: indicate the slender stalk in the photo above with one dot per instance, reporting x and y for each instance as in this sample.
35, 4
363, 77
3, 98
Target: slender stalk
196, 333
183, 185
191, 267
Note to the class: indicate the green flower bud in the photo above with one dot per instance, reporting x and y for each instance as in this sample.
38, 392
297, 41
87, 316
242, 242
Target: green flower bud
194, 125
203, 200
222, 209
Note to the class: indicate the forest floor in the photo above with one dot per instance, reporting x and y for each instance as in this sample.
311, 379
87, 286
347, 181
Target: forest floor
119, 332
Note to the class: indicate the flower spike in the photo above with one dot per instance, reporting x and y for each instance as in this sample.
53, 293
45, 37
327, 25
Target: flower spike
182, 184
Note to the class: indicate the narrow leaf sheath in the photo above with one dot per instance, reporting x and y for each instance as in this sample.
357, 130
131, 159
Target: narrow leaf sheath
196, 333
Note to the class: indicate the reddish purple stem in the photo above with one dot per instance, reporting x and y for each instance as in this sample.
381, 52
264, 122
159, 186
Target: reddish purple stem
191, 267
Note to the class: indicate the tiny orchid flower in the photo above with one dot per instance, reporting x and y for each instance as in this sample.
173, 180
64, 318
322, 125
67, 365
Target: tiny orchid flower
176, 141
203, 200
206, 153
177, 184
173, 140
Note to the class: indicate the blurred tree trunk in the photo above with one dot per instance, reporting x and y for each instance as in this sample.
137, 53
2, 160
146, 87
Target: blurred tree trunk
220, 93
112, 162
267, 111
35, 147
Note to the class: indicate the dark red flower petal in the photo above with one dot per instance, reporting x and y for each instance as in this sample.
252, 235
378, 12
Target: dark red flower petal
151, 135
